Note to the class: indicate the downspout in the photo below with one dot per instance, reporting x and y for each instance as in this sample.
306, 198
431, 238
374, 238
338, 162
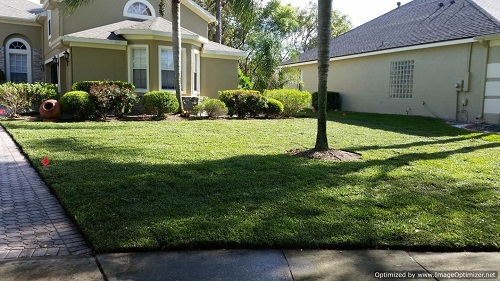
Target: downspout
483, 95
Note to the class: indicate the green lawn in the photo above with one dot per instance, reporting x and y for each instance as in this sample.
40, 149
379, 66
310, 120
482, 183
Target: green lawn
229, 183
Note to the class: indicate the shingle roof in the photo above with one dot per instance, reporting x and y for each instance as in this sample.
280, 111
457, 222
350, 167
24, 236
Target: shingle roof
19, 9
418, 22
107, 32
158, 24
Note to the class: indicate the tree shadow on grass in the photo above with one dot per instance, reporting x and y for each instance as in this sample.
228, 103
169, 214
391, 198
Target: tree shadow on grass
411, 125
276, 201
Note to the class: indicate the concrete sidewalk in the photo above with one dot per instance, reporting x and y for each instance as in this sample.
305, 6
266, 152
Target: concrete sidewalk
252, 265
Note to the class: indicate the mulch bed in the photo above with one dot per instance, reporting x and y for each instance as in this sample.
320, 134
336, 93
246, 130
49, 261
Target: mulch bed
328, 155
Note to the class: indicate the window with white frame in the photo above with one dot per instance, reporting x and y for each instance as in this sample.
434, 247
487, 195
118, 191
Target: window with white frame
402, 79
139, 67
18, 60
196, 72
167, 75
49, 23
139, 9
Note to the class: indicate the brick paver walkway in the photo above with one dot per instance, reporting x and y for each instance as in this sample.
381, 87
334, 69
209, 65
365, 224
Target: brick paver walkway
32, 223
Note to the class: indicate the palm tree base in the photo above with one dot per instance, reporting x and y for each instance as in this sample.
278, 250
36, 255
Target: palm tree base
328, 155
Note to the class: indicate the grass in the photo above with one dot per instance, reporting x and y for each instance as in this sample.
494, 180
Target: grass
230, 184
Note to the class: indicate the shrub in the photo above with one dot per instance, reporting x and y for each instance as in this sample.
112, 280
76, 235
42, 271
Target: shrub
243, 102
213, 107
112, 98
22, 97
78, 104
244, 82
87, 85
274, 108
14, 97
40, 92
160, 102
293, 100
333, 101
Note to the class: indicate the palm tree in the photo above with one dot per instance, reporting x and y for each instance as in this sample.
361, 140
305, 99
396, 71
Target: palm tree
176, 42
324, 37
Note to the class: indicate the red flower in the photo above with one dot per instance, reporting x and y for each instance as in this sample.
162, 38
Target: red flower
314, 110
45, 161
343, 114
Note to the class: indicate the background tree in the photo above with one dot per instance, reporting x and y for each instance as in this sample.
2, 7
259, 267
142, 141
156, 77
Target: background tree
324, 38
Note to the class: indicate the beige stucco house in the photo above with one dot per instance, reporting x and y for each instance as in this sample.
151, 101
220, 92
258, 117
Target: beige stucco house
123, 40
429, 57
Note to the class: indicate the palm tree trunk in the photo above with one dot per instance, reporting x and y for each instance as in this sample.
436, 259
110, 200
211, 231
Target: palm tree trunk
176, 42
219, 21
324, 37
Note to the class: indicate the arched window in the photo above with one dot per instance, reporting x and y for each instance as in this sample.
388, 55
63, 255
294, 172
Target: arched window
139, 9
18, 60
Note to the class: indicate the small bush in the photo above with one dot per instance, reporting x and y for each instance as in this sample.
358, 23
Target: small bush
213, 107
243, 102
274, 108
333, 101
40, 92
14, 97
23, 97
160, 102
78, 104
87, 85
293, 100
112, 98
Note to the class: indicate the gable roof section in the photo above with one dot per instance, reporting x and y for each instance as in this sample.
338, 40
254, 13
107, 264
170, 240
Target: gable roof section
416, 23
116, 33
20, 10
197, 9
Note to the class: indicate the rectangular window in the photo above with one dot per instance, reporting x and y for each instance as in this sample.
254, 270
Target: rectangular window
167, 70
18, 67
49, 22
402, 79
196, 72
140, 67
166, 67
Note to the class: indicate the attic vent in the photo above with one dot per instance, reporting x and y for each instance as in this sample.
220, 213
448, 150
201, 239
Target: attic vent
441, 4
452, 2
399, 4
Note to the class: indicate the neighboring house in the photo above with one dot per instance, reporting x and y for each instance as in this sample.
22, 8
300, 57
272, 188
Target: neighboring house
429, 57
114, 40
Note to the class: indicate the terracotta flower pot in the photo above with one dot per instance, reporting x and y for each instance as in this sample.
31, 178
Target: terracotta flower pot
50, 110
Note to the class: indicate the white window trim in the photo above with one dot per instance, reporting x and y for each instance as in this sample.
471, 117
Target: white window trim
130, 65
49, 23
195, 63
183, 69
135, 16
8, 51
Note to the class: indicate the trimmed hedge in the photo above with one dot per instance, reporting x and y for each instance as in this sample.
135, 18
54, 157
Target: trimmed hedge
113, 98
293, 100
87, 85
213, 107
274, 108
78, 104
243, 102
160, 102
333, 101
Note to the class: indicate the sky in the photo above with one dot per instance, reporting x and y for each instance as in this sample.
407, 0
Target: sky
359, 11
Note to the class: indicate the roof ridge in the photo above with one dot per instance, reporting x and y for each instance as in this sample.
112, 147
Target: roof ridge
484, 12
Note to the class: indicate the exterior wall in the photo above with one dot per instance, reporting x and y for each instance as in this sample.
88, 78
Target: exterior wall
364, 83
31, 33
492, 91
84, 17
97, 64
218, 75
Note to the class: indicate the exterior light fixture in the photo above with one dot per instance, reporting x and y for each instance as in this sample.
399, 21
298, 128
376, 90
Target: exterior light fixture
55, 60
66, 56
